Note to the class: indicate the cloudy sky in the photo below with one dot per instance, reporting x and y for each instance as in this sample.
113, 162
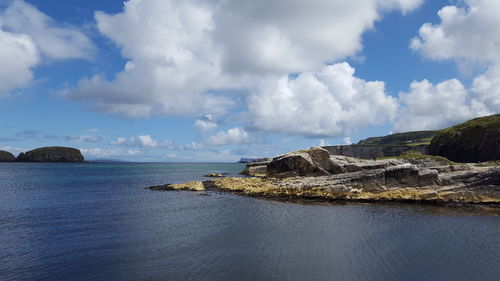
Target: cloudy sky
216, 80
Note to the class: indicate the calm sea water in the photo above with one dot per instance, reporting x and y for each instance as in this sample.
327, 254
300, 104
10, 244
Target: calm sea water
97, 222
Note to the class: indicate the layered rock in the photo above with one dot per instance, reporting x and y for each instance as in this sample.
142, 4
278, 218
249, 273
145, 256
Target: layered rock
256, 168
312, 175
6, 156
51, 154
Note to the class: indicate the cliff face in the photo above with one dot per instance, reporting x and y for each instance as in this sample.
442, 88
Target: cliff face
6, 156
51, 154
477, 140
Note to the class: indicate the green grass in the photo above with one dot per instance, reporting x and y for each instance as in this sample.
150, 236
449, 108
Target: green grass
414, 155
470, 131
408, 138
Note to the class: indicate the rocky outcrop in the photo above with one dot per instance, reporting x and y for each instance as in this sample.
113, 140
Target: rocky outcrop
256, 168
312, 175
6, 156
51, 154
477, 140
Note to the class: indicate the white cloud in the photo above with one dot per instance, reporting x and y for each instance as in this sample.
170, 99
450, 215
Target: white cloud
322, 142
347, 141
182, 53
133, 152
99, 152
21, 55
172, 64
205, 123
144, 141
332, 102
26, 36
467, 34
404, 5
236, 135
55, 41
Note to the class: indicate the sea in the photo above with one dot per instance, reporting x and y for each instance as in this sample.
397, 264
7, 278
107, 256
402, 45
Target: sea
97, 221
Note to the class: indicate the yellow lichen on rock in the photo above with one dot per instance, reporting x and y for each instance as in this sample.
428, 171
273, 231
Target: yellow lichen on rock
189, 186
251, 186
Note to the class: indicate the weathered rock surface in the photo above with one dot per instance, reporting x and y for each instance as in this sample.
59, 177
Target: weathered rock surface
314, 176
6, 156
51, 154
256, 168
477, 140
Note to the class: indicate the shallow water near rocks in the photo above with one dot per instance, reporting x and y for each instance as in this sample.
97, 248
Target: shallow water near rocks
98, 222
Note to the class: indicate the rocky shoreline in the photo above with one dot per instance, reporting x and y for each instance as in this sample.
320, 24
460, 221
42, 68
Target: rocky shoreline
315, 174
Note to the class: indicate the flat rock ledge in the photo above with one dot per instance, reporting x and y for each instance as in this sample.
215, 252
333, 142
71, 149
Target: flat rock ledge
478, 186
318, 176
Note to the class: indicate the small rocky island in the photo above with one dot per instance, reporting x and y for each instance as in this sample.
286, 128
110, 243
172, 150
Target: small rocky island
316, 173
50, 154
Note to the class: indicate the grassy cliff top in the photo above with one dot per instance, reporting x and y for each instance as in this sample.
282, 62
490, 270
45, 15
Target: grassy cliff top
408, 138
472, 129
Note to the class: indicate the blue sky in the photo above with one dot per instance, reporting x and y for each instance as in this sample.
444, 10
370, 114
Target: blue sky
165, 80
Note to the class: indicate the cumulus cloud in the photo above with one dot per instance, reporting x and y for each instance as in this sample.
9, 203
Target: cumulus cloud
182, 54
429, 106
236, 135
55, 41
469, 34
205, 123
322, 142
19, 52
172, 64
144, 141
332, 102
27, 36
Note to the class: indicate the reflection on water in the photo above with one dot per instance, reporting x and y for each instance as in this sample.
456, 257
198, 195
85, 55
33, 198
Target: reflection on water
96, 221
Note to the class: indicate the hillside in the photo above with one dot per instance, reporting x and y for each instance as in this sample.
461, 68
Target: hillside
408, 138
6, 156
477, 140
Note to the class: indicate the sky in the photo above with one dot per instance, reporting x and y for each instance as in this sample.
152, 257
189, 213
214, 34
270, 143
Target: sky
217, 80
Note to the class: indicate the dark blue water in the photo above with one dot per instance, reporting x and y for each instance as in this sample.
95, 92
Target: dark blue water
97, 222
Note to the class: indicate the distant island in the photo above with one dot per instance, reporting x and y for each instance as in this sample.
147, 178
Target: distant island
412, 176
53, 154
